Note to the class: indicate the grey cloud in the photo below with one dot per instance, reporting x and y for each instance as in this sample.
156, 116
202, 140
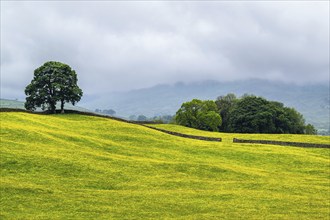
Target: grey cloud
126, 45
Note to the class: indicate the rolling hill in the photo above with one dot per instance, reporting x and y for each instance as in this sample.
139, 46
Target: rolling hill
7, 103
82, 167
310, 100
228, 137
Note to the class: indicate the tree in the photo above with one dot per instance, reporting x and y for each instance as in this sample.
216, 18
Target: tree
249, 115
52, 82
109, 112
296, 121
225, 104
142, 118
199, 114
163, 119
310, 129
253, 114
187, 115
209, 121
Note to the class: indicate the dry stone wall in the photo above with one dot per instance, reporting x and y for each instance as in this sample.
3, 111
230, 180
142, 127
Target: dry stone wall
187, 135
282, 143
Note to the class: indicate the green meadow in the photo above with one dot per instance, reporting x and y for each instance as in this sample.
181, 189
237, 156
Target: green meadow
228, 137
70, 166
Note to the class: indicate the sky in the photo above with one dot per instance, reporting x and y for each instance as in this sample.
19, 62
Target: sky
120, 46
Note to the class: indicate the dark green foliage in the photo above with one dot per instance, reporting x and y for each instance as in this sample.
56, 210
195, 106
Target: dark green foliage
253, 114
248, 114
52, 82
199, 114
225, 103
310, 129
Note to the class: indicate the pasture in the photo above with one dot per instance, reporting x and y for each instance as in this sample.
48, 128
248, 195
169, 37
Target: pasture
83, 167
228, 137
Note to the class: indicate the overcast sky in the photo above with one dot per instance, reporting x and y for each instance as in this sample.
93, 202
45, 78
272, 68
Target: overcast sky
116, 46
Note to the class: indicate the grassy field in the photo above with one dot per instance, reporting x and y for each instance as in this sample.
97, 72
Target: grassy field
228, 137
84, 167
7, 103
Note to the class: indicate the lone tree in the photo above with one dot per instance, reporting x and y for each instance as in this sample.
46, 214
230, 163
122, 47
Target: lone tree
52, 82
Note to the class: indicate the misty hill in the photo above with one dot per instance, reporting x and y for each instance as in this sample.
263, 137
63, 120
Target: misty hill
310, 100
7, 103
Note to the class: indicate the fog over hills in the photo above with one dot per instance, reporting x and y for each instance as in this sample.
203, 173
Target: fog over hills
310, 100
165, 42
125, 45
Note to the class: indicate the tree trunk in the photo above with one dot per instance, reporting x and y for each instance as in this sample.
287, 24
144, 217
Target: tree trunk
53, 108
62, 106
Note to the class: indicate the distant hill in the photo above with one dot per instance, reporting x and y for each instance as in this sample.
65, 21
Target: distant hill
7, 103
311, 100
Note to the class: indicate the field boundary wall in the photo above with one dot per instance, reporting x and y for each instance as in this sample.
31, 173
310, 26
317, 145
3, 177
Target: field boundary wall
282, 143
187, 135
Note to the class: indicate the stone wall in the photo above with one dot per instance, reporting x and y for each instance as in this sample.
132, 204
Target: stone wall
187, 135
146, 122
282, 143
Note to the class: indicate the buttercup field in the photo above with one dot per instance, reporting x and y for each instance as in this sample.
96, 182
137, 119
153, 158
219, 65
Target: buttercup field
165, 110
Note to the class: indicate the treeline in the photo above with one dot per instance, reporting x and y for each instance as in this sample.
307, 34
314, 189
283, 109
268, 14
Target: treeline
247, 114
106, 111
158, 119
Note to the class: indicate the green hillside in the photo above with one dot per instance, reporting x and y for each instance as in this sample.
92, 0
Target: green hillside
7, 103
83, 167
228, 137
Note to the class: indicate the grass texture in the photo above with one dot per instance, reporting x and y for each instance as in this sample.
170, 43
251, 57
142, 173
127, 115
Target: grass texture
228, 137
83, 167
15, 104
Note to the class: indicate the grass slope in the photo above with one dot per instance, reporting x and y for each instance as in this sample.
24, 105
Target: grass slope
7, 103
228, 137
74, 166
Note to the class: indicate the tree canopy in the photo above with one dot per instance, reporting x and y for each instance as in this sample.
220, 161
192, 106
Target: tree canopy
248, 114
106, 111
225, 104
52, 82
252, 114
199, 114
142, 118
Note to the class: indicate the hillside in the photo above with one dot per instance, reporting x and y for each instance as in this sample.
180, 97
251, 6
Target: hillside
7, 103
74, 166
310, 100
228, 137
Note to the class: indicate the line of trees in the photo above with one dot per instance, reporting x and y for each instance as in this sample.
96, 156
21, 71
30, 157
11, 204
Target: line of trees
55, 82
248, 114
159, 119
106, 111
